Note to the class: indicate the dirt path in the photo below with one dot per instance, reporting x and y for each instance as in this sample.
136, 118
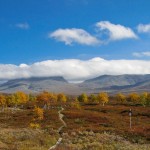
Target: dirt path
59, 130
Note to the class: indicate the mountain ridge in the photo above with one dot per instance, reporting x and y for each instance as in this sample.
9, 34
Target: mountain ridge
108, 83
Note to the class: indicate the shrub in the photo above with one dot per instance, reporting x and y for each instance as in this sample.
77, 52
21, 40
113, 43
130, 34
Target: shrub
34, 125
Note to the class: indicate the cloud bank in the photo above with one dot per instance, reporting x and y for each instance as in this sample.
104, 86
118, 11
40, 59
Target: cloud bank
74, 35
116, 31
75, 70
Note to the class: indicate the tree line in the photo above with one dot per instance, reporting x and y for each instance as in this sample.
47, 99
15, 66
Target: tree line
46, 98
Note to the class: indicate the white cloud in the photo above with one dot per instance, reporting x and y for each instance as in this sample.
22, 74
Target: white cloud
116, 31
74, 35
142, 54
24, 26
74, 69
143, 28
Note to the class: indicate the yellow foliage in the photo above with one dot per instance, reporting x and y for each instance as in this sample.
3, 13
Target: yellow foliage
144, 98
39, 112
134, 97
44, 96
2, 100
61, 97
76, 105
53, 98
34, 125
103, 98
83, 98
120, 97
21, 97
93, 98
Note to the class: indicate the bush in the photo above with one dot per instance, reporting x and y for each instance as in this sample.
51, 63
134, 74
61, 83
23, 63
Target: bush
34, 125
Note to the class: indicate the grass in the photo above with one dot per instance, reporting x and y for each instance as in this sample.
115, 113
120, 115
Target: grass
99, 141
16, 134
113, 119
93, 127
23, 139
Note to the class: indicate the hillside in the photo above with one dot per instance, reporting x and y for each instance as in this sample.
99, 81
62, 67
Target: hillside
117, 83
54, 84
108, 83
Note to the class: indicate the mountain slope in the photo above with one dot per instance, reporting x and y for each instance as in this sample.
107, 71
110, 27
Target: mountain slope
116, 83
53, 84
108, 83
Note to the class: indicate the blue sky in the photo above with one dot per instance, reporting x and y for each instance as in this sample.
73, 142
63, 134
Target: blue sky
37, 30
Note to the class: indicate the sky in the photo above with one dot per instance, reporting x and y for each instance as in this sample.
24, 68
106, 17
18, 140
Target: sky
77, 39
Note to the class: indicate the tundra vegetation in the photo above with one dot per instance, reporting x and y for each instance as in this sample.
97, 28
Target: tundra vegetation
96, 121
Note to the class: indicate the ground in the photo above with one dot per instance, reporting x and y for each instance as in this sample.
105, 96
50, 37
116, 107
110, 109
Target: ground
16, 133
93, 127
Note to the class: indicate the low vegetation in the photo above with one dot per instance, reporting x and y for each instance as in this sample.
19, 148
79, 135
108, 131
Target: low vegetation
95, 122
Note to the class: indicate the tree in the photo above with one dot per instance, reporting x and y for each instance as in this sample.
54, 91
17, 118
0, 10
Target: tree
121, 97
143, 98
61, 98
103, 98
44, 98
21, 98
93, 98
134, 97
148, 100
39, 113
2, 100
32, 98
83, 98
76, 104
11, 100
53, 97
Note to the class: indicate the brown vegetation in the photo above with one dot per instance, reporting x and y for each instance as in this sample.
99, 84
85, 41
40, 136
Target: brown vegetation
31, 121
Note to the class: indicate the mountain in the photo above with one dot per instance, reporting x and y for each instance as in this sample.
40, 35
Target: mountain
107, 83
37, 84
117, 83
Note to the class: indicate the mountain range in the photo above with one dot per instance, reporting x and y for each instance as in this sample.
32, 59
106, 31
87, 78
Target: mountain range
108, 83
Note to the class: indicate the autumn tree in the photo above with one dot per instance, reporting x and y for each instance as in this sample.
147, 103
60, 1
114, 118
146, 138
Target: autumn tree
134, 97
39, 113
148, 100
44, 98
61, 98
83, 98
143, 98
32, 98
38, 116
103, 98
21, 98
2, 100
76, 104
11, 100
52, 97
16, 99
93, 98
120, 98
